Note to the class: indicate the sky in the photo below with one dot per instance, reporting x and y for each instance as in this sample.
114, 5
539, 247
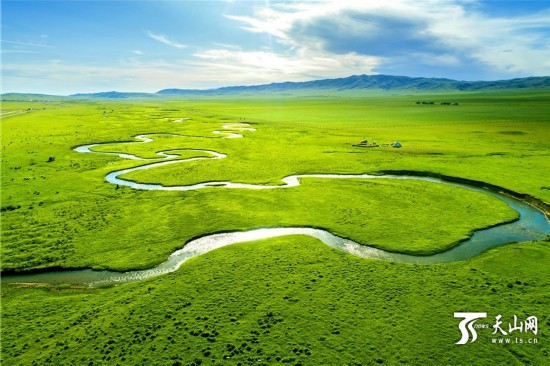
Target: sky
66, 47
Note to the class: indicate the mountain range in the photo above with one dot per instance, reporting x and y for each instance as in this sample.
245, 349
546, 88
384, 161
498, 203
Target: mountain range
333, 86
373, 82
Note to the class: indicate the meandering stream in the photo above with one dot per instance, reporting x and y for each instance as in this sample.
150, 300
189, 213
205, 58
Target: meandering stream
531, 225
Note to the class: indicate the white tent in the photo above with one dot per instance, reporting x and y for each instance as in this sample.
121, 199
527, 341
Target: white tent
396, 144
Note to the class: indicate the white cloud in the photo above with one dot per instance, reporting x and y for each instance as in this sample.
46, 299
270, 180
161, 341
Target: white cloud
448, 33
434, 59
63, 78
314, 40
305, 64
16, 51
163, 39
25, 43
210, 69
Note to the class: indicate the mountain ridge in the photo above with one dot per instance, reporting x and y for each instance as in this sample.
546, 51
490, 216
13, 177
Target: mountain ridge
374, 82
363, 82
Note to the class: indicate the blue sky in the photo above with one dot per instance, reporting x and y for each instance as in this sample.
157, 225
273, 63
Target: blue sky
64, 47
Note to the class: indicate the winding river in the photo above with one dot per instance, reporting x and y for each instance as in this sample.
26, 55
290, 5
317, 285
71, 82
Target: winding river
531, 225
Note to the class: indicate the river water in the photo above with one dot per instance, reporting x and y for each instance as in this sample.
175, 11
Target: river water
531, 225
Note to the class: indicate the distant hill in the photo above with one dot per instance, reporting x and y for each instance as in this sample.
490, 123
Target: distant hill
114, 95
30, 97
353, 83
373, 82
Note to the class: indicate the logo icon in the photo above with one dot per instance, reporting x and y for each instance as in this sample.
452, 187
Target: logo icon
468, 321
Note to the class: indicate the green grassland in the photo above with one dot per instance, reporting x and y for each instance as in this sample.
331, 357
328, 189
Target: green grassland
57, 211
286, 301
487, 137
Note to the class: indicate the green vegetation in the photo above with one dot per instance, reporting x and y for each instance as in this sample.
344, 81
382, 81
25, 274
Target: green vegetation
286, 301
289, 296
110, 236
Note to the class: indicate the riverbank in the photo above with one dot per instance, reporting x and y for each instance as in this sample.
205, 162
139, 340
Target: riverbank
531, 225
287, 298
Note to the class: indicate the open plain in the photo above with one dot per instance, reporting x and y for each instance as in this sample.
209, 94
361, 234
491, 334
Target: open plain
291, 299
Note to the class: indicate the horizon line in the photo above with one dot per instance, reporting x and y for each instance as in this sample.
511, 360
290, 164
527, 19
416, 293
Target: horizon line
273, 83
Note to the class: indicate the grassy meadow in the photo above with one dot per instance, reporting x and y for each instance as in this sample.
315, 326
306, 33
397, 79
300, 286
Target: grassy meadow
289, 300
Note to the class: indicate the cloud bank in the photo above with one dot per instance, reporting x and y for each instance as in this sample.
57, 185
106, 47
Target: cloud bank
441, 37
